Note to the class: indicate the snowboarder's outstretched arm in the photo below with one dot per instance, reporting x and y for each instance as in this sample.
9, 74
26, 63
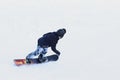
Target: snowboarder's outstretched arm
55, 50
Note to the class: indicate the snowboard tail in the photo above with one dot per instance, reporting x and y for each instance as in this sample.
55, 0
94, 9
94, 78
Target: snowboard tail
19, 62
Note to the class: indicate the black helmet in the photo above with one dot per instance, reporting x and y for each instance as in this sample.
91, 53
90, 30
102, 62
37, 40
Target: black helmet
61, 32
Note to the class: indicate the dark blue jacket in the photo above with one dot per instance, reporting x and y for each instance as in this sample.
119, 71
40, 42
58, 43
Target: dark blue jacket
49, 40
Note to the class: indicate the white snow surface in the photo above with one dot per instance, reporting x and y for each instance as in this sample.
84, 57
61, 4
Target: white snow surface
90, 50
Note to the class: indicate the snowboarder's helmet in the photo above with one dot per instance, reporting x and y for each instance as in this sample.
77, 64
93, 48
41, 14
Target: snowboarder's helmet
61, 32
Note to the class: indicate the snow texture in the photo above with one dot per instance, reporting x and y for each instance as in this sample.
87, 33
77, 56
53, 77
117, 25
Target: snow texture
90, 49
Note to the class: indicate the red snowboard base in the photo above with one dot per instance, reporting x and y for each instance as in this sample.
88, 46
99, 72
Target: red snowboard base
19, 62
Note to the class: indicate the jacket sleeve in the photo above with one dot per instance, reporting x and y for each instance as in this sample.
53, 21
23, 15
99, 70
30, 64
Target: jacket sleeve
55, 50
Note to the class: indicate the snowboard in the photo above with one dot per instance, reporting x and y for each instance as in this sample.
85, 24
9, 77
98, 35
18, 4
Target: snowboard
19, 62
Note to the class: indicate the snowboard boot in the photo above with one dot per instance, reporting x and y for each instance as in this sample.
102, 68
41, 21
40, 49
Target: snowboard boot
42, 59
28, 61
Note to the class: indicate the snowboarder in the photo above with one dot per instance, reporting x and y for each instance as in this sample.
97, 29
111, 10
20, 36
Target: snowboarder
47, 40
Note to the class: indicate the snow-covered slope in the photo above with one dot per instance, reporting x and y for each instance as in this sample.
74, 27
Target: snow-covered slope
89, 50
